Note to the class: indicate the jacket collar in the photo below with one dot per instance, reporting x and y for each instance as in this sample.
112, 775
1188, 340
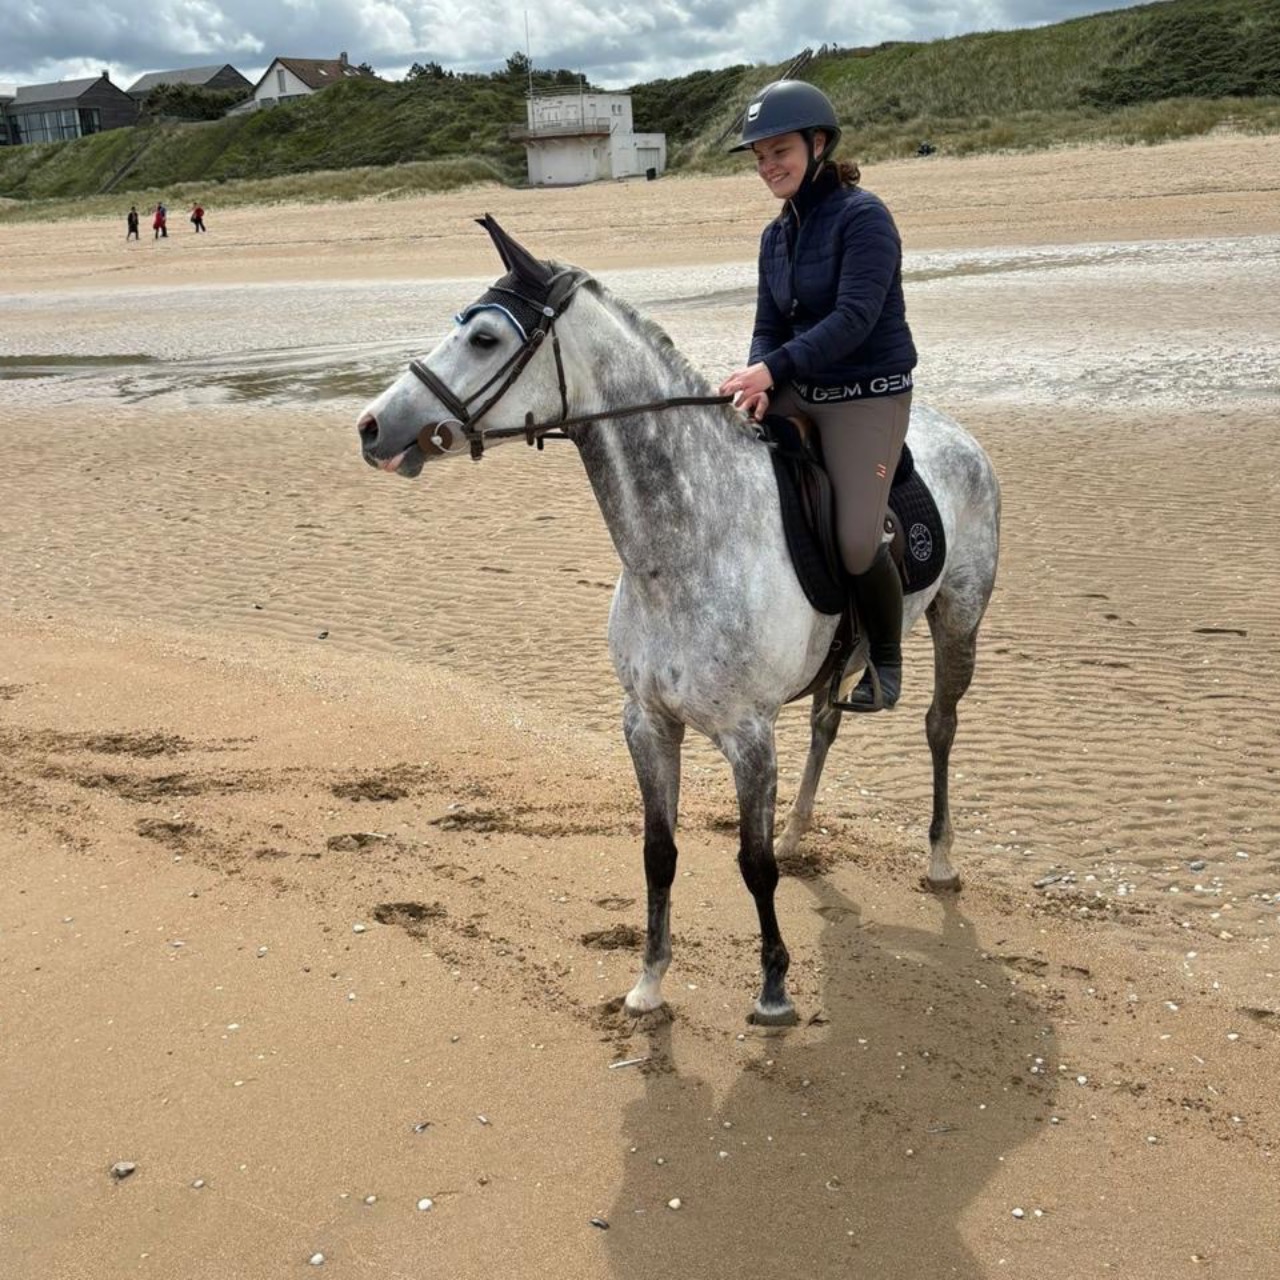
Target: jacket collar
813, 191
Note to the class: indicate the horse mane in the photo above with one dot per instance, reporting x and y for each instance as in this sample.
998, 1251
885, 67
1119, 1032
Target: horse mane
660, 340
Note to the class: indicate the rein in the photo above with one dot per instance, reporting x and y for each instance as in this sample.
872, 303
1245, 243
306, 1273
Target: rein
562, 288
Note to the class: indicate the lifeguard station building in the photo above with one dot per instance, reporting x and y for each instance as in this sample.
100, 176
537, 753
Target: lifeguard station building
575, 137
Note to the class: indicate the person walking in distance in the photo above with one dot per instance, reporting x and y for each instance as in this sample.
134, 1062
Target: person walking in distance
159, 223
131, 222
197, 216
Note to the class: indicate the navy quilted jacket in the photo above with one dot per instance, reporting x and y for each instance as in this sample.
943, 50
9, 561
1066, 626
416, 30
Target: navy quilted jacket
829, 307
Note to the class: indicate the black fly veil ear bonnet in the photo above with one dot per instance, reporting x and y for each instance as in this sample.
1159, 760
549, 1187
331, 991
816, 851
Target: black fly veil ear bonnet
524, 296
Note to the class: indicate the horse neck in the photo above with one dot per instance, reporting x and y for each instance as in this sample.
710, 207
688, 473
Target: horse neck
672, 484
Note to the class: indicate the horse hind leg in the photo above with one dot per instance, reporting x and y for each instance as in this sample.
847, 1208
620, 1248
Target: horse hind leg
954, 653
751, 752
824, 722
655, 751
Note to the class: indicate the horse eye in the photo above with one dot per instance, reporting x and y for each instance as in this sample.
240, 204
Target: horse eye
484, 339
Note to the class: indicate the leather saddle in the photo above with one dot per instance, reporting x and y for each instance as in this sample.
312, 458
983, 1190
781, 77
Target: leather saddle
913, 527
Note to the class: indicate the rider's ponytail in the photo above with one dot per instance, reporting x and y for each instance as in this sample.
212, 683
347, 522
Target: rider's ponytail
848, 172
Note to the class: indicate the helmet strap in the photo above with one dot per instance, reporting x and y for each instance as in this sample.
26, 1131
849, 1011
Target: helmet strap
815, 161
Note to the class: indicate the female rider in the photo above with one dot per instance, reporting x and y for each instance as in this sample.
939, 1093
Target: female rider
831, 342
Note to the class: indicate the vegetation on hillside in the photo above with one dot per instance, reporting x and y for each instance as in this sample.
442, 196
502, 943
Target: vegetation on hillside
1145, 74
430, 116
680, 108
189, 102
1203, 49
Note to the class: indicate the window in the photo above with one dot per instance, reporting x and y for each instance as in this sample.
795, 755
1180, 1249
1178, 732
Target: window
280, 82
54, 126
33, 126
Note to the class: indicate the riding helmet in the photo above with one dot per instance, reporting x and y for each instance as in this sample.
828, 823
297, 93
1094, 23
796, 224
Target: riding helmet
789, 106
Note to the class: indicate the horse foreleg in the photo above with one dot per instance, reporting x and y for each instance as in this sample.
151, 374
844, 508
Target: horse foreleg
750, 750
953, 661
655, 751
824, 721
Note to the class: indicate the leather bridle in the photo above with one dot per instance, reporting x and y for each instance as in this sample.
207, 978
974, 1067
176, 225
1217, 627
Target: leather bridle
561, 289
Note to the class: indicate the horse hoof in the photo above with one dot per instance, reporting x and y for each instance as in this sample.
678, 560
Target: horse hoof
952, 885
788, 846
649, 1020
647, 1010
781, 1015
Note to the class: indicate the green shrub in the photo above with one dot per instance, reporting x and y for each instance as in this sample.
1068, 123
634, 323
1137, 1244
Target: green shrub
1198, 49
189, 102
680, 107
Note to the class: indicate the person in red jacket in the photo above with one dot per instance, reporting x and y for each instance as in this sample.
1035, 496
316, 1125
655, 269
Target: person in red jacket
197, 216
159, 223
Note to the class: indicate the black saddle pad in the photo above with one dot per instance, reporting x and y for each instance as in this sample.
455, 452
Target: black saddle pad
924, 548
808, 521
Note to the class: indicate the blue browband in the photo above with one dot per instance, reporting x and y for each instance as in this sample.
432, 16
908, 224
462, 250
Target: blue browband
463, 316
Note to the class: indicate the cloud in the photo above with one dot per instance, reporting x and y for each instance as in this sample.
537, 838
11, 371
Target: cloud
614, 45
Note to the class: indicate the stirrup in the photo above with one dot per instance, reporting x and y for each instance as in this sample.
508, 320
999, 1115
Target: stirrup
873, 692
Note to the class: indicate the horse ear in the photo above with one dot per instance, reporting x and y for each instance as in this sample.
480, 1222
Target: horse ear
515, 257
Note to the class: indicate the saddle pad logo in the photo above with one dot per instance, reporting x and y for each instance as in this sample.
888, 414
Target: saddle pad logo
920, 542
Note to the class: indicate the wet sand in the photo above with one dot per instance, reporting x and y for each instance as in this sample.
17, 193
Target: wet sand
253, 695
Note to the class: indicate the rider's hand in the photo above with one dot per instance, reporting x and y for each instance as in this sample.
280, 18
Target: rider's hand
750, 389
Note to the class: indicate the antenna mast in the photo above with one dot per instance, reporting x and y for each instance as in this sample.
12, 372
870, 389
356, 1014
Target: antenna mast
528, 51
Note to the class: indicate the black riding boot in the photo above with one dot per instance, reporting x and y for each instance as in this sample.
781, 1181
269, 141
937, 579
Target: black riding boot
878, 596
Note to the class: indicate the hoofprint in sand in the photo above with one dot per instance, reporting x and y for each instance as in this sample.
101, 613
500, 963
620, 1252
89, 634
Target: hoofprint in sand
203, 798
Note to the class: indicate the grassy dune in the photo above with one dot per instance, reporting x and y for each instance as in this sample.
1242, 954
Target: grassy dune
427, 134
1141, 75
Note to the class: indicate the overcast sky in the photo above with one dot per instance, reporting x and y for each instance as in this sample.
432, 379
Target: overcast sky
615, 43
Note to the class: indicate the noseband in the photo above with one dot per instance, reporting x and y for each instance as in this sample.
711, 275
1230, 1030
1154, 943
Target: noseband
560, 293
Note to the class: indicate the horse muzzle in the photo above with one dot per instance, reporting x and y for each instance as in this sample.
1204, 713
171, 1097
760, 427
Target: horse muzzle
407, 461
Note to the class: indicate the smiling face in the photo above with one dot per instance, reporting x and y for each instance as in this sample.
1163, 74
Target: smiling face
781, 161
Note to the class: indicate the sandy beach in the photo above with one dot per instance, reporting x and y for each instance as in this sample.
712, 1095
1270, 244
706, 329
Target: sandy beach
320, 873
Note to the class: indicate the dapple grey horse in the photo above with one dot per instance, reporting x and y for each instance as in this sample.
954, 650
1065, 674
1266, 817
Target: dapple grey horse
709, 626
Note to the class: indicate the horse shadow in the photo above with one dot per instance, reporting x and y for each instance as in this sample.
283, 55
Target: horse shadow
853, 1147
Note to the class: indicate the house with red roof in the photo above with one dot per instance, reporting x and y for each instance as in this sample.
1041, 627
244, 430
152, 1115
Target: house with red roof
288, 79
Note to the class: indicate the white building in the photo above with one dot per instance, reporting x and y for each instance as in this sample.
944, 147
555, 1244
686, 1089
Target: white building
288, 79
574, 137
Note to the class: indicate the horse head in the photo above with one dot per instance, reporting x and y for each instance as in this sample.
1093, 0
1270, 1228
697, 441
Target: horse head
454, 398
